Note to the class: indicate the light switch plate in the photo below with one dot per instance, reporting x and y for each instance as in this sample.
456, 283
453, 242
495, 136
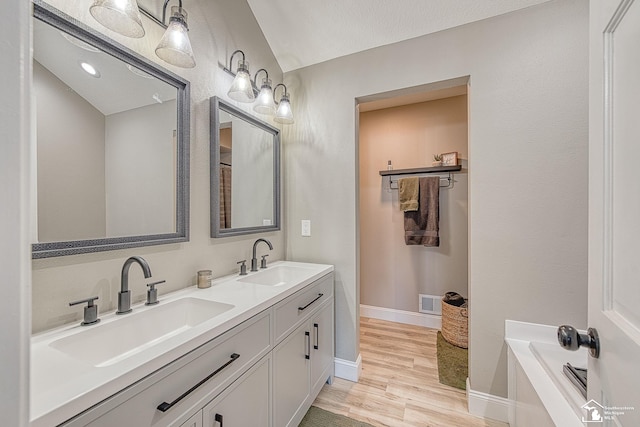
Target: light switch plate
306, 227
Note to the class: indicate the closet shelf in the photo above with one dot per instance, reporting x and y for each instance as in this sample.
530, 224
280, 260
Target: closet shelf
435, 169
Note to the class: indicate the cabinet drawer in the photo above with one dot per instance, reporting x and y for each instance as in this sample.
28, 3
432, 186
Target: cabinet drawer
293, 310
138, 405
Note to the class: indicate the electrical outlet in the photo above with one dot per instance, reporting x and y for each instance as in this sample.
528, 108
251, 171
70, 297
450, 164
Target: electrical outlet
306, 227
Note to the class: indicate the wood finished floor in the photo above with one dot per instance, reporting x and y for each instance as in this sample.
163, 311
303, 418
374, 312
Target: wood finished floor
399, 383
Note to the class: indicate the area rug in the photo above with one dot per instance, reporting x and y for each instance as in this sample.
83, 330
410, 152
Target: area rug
453, 364
317, 417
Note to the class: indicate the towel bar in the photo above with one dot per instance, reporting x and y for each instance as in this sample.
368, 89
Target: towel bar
449, 180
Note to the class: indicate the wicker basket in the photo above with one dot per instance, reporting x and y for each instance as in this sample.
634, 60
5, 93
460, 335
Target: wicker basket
455, 324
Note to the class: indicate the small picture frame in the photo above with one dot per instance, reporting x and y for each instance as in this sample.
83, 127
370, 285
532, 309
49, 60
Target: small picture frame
450, 159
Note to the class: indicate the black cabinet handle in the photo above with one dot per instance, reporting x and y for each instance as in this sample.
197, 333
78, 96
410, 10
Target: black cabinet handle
308, 339
218, 419
316, 299
164, 406
317, 344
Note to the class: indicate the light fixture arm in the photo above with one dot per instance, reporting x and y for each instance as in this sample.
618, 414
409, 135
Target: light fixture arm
231, 59
164, 13
255, 76
274, 92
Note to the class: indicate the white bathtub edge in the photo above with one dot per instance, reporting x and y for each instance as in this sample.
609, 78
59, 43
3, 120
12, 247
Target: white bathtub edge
555, 403
530, 332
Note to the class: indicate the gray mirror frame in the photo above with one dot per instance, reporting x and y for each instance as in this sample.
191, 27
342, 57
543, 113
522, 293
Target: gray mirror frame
218, 104
52, 16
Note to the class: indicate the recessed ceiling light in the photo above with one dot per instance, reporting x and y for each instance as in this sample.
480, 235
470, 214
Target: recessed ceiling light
139, 72
90, 69
79, 43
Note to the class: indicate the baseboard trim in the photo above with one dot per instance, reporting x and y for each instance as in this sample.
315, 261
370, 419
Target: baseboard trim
407, 317
348, 370
487, 405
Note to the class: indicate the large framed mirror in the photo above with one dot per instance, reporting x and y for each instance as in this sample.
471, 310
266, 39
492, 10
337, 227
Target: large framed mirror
245, 172
112, 132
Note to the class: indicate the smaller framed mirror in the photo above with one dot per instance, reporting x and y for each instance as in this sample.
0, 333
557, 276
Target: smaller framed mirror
245, 172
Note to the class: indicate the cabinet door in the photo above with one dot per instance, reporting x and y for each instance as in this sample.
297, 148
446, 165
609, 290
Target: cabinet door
195, 421
244, 403
322, 347
291, 375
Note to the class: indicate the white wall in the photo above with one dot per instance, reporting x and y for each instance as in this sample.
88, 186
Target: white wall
216, 29
393, 274
15, 171
140, 170
70, 155
527, 182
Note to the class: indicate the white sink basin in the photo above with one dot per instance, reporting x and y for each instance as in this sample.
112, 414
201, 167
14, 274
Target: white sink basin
277, 276
108, 343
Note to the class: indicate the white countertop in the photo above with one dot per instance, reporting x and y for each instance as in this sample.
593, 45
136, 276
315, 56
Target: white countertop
61, 386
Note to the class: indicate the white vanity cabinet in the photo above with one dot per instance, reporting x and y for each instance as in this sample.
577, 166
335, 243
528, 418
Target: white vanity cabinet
264, 372
303, 360
322, 348
195, 421
219, 362
245, 403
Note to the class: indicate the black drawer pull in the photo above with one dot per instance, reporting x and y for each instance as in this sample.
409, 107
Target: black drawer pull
316, 299
307, 338
218, 419
317, 343
164, 406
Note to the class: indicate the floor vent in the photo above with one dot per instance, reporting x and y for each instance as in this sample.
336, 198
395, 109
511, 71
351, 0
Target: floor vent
430, 304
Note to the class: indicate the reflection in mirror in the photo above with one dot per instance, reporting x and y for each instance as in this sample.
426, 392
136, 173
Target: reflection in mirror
245, 172
112, 143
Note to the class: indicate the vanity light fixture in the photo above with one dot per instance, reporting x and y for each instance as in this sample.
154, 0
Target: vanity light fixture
241, 89
284, 114
265, 103
174, 46
123, 17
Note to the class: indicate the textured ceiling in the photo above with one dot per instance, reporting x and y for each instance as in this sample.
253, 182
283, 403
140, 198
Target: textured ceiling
302, 33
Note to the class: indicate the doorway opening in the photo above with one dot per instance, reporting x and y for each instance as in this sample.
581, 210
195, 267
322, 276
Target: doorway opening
405, 129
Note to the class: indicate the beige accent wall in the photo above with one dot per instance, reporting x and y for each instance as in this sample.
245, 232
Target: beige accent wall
216, 29
70, 162
392, 274
528, 120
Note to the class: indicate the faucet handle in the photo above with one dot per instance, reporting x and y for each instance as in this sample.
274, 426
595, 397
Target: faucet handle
243, 267
263, 263
152, 293
90, 311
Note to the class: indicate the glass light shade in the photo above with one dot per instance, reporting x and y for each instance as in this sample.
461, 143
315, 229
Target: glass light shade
121, 16
175, 47
241, 89
264, 102
284, 114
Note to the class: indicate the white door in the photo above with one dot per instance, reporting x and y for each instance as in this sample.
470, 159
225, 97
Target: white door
614, 208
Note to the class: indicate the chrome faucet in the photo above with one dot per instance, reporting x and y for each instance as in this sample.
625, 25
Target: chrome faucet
254, 259
124, 296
